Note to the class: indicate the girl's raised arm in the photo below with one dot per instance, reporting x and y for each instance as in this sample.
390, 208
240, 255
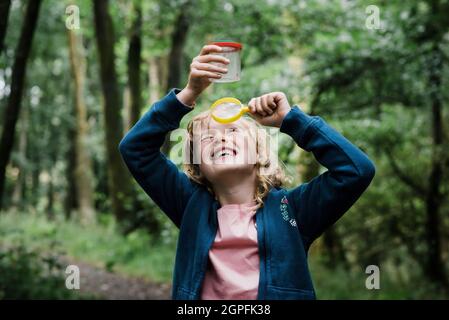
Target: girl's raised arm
322, 201
169, 187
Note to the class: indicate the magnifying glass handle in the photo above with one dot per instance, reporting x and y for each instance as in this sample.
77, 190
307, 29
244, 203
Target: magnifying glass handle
245, 109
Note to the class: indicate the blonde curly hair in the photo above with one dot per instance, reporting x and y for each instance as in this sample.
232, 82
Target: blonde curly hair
275, 176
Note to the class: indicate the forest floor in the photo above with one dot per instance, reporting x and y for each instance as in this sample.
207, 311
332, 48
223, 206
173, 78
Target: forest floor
103, 284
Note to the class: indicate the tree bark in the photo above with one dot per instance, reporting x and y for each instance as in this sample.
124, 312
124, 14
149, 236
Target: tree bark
119, 182
178, 40
71, 198
435, 29
50, 197
154, 80
12, 110
4, 13
35, 192
17, 200
435, 267
83, 165
134, 63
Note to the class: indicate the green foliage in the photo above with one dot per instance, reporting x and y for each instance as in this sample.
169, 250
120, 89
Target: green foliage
31, 269
339, 283
135, 254
29, 274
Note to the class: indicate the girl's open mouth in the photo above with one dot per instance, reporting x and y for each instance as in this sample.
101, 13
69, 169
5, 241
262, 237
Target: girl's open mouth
223, 152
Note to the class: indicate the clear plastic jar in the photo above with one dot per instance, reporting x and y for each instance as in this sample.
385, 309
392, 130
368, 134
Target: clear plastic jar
231, 50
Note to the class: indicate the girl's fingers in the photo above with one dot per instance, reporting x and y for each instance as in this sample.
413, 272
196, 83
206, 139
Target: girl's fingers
253, 110
252, 105
208, 67
259, 108
265, 105
211, 58
271, 102
210, 48
202, 73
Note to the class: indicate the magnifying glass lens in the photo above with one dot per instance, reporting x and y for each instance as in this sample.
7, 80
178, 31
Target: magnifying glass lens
226, 110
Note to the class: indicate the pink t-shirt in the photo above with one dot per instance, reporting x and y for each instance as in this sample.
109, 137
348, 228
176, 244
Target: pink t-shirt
233, 269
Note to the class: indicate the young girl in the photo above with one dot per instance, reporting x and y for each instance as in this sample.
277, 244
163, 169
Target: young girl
242, 236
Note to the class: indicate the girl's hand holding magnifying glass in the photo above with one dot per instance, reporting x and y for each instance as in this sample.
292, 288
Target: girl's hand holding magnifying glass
269, 109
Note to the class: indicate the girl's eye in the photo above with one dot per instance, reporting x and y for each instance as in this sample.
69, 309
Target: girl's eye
233, 129
207, 138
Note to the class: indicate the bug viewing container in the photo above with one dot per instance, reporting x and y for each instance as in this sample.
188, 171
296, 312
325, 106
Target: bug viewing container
231, 51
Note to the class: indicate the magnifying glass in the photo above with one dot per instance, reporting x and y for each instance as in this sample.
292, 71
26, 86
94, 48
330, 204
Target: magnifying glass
227, 110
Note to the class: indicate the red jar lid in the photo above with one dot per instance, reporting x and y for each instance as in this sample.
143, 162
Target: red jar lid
228, 44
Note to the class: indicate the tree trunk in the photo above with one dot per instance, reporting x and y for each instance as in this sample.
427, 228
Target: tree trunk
36, 160
435, 268
83, 164
101, 186
12, 110
127, 109
4, 13
119, 182
435, 29
19, 187
71, 198
178, 41
162, 70
154, 79
134, 63
50, 196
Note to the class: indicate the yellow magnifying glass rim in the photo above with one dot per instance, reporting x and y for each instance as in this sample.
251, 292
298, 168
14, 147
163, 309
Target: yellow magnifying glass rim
243, 109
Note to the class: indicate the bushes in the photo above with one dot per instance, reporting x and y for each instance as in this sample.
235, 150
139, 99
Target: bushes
29, 274
136, 254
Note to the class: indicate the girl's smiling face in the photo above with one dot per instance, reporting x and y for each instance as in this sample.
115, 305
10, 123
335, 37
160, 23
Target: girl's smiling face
225, 149
231, 158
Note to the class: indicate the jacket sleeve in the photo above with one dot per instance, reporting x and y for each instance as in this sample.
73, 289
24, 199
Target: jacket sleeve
320, 202
169, 187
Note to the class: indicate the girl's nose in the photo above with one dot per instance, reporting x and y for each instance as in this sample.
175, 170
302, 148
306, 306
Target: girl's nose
220, 136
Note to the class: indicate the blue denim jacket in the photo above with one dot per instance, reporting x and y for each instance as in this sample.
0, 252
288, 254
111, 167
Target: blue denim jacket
287, 224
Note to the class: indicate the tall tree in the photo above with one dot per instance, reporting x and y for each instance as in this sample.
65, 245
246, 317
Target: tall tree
4, 13
83, 165
436, 27
155, 78
134, 63
178, 41
12, 110
18, 199
119, 181
71, 198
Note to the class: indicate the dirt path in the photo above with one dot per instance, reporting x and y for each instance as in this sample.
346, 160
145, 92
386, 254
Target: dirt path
113, 286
